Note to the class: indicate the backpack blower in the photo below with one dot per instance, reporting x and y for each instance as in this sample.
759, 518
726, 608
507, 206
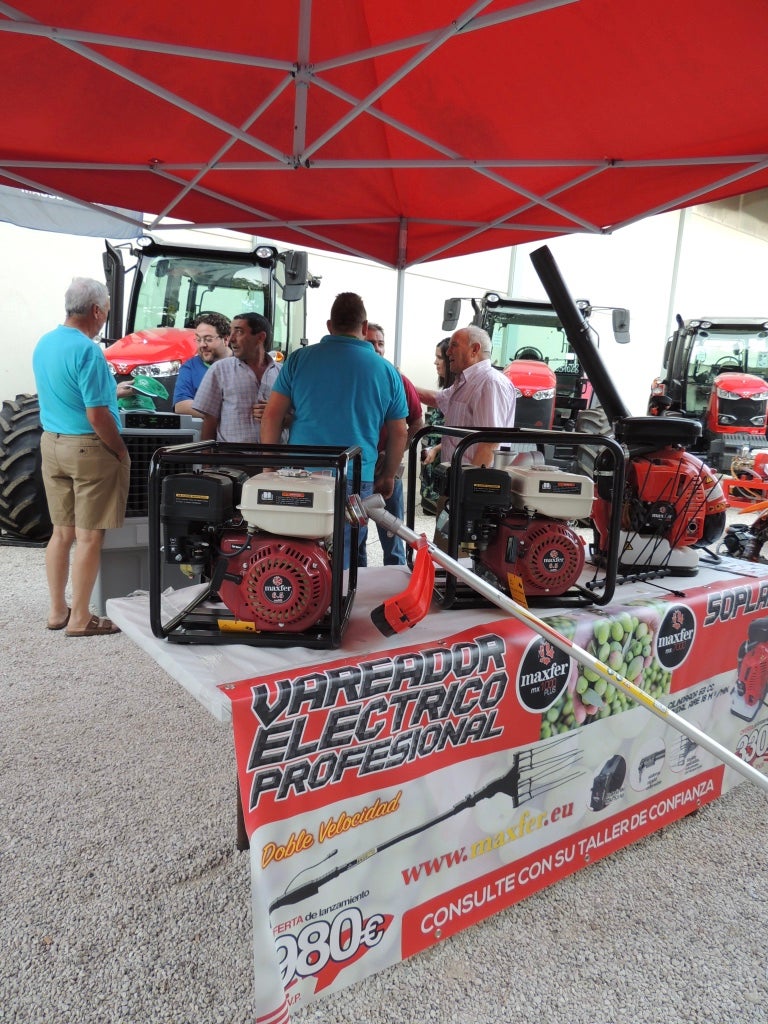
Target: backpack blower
673, 504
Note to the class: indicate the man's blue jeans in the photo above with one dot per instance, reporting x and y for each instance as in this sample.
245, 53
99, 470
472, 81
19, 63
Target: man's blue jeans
392, 545
366, 490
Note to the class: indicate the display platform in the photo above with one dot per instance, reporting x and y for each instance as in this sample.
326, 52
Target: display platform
397, 790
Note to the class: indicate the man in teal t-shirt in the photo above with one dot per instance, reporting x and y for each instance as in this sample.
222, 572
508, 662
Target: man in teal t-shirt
85, 462
342, 394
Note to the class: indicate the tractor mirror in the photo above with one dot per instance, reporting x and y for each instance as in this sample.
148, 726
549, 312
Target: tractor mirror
621, 326
295, 275
451, 314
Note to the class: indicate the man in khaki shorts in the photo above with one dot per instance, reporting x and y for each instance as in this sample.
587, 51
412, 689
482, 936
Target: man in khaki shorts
86, 466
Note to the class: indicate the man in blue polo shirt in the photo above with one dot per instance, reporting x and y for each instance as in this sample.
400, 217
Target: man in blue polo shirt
342, 394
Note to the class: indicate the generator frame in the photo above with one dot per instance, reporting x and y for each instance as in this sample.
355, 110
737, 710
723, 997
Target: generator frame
451, 592
194, 625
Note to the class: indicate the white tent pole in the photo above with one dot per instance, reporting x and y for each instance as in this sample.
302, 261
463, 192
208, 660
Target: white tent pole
402, 255
511, 274
675, 272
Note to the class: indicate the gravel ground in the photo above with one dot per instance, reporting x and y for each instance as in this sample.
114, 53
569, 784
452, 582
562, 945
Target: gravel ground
124, 900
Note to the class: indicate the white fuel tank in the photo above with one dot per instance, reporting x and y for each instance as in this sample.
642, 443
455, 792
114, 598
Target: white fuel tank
548, 490
289, 503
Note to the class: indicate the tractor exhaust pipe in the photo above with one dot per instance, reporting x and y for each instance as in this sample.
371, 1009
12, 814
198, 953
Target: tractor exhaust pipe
577, 332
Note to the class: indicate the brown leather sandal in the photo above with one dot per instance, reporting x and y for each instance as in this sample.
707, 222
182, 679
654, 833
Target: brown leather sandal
62, 624
95, 627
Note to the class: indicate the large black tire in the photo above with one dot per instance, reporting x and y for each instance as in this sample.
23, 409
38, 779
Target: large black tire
23, 508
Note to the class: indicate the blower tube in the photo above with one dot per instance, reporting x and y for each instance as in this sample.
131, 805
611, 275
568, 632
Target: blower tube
577, 332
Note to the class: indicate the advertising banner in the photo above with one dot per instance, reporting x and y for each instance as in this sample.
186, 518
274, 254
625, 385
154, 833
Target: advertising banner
395, 799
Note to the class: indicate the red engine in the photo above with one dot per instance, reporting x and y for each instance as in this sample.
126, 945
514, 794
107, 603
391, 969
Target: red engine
278, 583
546, 554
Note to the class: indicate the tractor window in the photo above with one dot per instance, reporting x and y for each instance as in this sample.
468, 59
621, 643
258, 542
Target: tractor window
528, 335
715, 352
757, 355
174, 290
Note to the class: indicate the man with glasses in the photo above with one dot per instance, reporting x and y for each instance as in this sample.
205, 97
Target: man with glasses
212, 336
85, 463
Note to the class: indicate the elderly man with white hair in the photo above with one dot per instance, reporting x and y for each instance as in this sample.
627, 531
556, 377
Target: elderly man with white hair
480, 397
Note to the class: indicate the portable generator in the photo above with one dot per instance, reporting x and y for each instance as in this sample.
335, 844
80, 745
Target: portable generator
265, 537
518, 521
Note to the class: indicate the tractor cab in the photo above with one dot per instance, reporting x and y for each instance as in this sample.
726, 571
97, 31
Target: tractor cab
531, 347
716, 371
151, 333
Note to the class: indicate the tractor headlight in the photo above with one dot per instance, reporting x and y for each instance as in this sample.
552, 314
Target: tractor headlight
545, 395
166, 369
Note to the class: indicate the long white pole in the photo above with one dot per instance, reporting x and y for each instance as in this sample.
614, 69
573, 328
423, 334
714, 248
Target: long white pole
374, 507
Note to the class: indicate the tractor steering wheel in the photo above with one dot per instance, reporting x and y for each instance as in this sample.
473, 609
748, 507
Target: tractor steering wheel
726, 363
528, 352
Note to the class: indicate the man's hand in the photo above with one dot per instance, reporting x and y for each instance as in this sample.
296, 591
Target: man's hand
482, 455
384, 485
273, 416
105, 428
389, 460
430, 455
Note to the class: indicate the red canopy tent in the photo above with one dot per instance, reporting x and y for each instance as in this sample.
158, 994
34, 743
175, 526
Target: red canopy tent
397, 131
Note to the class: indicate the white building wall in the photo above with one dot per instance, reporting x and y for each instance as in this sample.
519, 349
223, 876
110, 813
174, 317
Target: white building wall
721, 271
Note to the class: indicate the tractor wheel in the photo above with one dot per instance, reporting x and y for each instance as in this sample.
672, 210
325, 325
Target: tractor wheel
23, 508
591, 421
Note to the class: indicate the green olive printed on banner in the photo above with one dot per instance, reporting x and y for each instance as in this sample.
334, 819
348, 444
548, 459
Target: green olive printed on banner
625, 643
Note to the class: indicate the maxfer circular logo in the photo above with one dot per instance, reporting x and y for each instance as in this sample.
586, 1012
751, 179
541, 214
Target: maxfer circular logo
542, 675
675, 637
278, 589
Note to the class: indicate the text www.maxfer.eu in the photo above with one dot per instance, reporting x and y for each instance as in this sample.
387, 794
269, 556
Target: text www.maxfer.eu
523, 826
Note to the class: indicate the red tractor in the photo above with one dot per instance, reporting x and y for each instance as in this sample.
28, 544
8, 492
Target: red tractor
536, 389
716, 371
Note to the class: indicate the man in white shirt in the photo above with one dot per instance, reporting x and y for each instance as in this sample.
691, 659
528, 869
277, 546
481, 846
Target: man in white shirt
480, 397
